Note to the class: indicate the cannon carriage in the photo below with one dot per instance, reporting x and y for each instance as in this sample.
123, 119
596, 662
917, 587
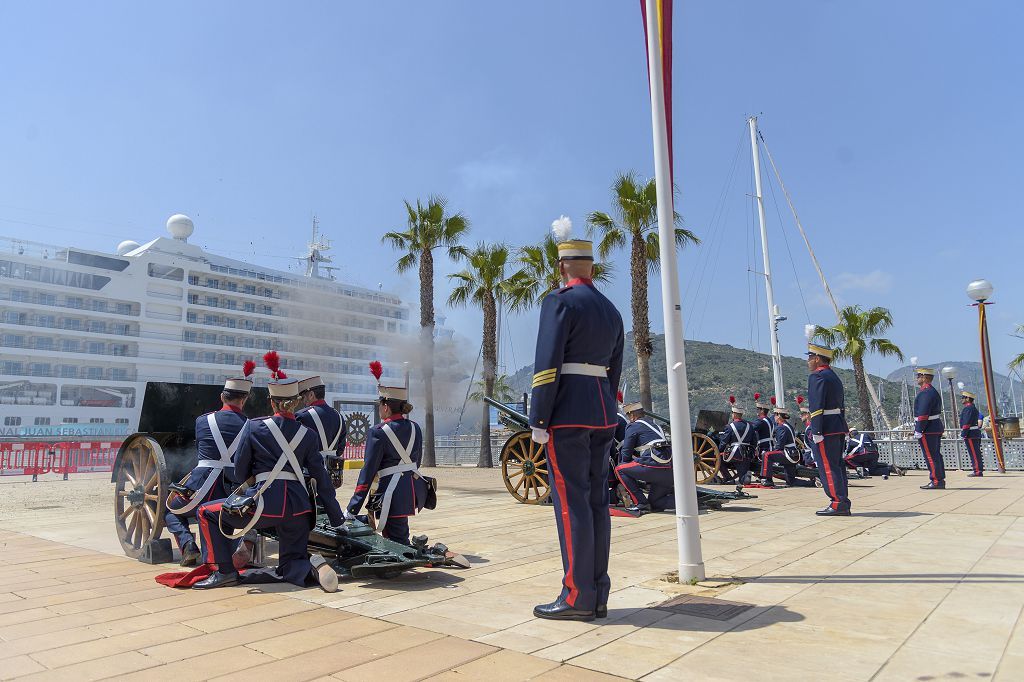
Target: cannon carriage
163, 452
524, 462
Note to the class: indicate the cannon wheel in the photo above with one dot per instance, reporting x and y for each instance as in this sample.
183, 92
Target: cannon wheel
524, 466
141, 479
706, 458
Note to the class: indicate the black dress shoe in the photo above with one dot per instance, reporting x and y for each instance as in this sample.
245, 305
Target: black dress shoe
217, 579
601, 611
829, 511
559, 610
639, 509
972, 475
189, 554
934, 486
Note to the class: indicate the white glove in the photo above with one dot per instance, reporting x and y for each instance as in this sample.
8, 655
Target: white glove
817, 438
918, 434
539, 435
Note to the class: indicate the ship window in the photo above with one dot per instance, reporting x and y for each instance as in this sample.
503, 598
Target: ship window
249, 307
69, 345
119, 374
94, 261
124, 309
69, 371
97, 396
8, 367
193, 279
93, 372
99, 305
70, 420
12, 421
72, 323
96, 420
166, 272
121, 420
45, 343
188, 355
188, 377
191, 336
42, 421
19, 295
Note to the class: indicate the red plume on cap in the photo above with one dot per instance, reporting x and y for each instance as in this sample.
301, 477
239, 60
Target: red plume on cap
773, 400
799, 400
376, 369
757, 396
732, 399
619, 397
248, 367
273, 362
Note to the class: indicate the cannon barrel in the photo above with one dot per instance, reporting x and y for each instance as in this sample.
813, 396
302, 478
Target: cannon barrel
515, 415
656, 416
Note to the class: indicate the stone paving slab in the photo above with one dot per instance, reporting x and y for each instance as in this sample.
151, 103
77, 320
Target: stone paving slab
916, 585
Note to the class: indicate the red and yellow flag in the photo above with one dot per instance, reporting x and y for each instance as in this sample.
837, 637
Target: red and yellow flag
663, 31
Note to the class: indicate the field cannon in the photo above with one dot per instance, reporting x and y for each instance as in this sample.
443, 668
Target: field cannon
163, 452
524, 462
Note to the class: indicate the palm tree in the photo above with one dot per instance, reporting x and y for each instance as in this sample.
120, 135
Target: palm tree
1018, 360
635, 205
538, 275
482, 284
856, 334
428, 227
502, 391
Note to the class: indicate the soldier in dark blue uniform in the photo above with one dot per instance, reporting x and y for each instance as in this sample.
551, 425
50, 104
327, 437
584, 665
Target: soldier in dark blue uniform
785, 451
862, 453
274, 451
928, 428
827, 429
970, 429
645, 456
326, 423
577, 368
216, 440
737, 444
805, 420
764, 426
394, 448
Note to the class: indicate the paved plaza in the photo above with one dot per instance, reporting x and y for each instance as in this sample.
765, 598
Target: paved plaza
917, 585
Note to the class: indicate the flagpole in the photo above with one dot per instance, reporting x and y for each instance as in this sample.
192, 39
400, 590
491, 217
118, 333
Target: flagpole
691, 564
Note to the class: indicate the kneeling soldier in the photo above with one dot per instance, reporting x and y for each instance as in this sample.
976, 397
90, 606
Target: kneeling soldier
393, 451
862, 453
217, 441
737, 445
785, 452
646, 457
274, 451
324, 421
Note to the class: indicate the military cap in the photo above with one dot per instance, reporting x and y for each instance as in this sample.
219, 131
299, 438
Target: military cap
823, 351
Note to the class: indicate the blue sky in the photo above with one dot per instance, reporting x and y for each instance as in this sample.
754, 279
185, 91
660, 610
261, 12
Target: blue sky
895, 126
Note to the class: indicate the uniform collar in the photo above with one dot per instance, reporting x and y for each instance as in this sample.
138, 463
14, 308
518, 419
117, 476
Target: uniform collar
924, 387
285, 415
737, 419
395, 417
823, 368
231, 408
319, 402
579, 280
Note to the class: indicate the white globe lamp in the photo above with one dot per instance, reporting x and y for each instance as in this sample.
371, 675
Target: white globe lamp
980, 290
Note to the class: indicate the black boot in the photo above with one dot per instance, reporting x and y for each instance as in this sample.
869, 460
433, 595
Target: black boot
189, 554
934, 486
217, 579
559, 610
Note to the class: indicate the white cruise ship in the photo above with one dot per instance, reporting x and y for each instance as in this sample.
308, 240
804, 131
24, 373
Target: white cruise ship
82, 331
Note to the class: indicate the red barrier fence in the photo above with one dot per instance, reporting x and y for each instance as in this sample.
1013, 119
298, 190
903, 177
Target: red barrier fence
34, 458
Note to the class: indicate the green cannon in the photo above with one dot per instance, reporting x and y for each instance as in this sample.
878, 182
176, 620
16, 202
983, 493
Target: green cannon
525, 472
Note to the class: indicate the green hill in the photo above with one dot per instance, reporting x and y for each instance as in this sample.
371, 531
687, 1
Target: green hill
716, 371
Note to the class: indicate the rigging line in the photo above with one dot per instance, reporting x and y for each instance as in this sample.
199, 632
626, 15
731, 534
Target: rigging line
715, 259
789, 251
469, 388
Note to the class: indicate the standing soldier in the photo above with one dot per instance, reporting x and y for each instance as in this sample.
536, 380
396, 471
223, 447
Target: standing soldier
928, 428
273, 452
577, 367
393, 451
970, 428
216, 440
325, 421
827, 429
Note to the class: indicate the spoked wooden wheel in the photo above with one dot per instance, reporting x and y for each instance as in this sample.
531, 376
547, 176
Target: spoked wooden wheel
524, 466
141, 479
706, 458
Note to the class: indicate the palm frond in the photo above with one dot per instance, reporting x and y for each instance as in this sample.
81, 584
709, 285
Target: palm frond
407, 262
886, 348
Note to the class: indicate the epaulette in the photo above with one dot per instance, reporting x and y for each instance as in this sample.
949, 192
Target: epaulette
564, 289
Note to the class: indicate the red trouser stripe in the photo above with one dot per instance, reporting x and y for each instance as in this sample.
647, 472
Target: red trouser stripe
974, 455
627, 465
828, 477
570, 581
204, 528
928, 456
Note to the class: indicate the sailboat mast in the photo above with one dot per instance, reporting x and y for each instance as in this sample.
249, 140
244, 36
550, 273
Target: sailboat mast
773, 311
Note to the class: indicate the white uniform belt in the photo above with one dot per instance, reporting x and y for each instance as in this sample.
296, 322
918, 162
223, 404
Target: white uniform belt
584, 369
397, 469
211, 464
836, 411
281, 476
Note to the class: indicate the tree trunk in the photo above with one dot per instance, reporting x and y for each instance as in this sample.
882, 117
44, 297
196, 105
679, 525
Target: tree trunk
863, 401
490, 355
427, 338
641, 321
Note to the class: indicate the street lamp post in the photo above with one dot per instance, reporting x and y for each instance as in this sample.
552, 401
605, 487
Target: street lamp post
949, 374
980, 290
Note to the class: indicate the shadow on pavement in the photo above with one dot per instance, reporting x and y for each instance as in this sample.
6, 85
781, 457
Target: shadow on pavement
894, 578
891, 514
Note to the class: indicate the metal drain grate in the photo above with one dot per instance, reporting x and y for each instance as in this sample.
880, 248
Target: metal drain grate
704, 607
